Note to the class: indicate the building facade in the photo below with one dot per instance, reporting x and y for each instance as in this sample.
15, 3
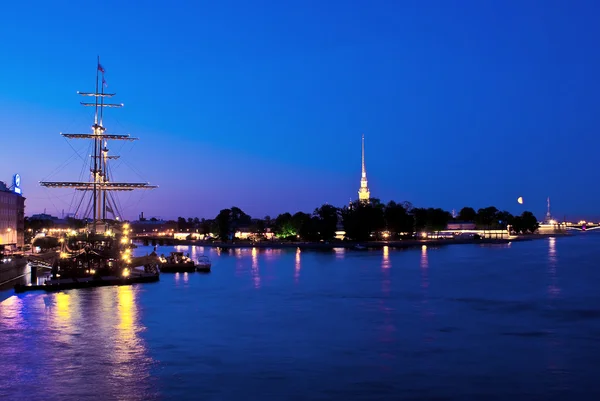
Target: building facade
12, 214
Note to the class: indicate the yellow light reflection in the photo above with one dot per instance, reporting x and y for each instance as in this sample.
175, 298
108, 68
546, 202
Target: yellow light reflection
128, 347
255, 271
64, 314
424, 267
62, 307
126, 307
339, 253
385, 264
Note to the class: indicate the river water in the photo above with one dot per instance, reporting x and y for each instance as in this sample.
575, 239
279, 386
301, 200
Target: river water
466, 322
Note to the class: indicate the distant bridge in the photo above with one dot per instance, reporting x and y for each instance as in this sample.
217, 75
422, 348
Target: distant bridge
582, 226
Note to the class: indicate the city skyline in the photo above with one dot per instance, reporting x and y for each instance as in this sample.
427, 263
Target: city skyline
264, 115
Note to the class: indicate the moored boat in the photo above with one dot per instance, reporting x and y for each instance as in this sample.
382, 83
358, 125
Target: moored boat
177, 262
204, 264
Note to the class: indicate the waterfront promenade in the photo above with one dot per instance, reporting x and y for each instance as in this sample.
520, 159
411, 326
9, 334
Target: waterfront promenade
399, 244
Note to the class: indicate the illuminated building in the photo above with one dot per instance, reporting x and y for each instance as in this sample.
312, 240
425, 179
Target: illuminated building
12, 214
363, 192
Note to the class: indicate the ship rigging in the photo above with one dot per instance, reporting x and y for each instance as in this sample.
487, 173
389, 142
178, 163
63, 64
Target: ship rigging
101, 183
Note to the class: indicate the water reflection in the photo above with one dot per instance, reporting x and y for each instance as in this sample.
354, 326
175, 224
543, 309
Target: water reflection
553, 289
339, 253
426, 311
128, 347
272, 254
255, 271
297, 266
385, 264
62, 303
11, 313
556, 373
424, 267
388, 328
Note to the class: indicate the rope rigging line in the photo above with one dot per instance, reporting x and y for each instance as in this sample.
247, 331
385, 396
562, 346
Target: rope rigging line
80, 202
57, 211
60, 167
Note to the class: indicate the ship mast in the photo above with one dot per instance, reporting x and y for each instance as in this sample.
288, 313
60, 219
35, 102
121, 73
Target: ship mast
100, 183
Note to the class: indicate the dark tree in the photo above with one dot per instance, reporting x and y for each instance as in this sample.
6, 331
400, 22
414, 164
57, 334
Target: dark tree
503, 219
361, 220
328, 219
529, 222
299, 221
486, 217
223, 221
268, 222
431, 219
310, 228
284, 227
205, 226
397, 220
239, 218
46, 243
467, 214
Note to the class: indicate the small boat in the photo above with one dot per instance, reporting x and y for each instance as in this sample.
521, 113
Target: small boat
360, 247
203, 264
177, 262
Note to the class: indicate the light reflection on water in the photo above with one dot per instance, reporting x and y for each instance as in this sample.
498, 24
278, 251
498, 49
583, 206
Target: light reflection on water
255, 271
297, 266
553, 288
388, 327
461, 322
78, 344
339, 253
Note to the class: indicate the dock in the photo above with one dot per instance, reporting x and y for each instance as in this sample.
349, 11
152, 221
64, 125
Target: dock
88, 282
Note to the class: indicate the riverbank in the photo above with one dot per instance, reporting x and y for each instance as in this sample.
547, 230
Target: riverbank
400, 244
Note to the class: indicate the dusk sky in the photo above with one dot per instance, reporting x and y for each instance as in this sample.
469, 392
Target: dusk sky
261, 104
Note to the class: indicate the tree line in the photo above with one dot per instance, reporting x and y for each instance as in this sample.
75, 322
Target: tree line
361, 221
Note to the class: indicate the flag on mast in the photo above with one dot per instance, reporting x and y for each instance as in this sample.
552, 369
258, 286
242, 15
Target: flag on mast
100, 68
104, 81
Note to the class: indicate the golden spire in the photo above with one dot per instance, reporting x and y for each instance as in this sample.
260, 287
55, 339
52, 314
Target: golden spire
363, 192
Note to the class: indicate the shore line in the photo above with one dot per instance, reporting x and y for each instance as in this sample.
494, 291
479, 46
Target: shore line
400, 244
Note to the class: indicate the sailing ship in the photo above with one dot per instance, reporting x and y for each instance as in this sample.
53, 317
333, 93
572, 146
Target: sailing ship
100, 253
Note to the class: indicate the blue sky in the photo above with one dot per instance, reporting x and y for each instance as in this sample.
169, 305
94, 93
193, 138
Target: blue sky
262, 104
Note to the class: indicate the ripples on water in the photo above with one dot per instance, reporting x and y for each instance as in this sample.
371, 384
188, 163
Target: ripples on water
519, 321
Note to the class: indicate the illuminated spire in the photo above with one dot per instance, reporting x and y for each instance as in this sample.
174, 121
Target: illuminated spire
364, 170
548, 215
363, 192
